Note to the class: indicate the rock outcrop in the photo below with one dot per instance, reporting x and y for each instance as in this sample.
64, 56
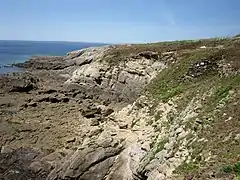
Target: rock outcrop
18, 82
47, 62
122, 81
85, 115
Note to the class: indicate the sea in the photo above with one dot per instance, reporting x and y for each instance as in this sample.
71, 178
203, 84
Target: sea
20, 51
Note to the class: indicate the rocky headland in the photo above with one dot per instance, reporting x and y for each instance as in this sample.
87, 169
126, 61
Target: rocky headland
132, 112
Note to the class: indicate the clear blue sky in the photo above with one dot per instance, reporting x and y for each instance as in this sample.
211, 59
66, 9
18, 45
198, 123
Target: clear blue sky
118, 21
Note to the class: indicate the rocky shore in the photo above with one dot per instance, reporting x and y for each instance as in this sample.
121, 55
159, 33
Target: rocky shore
60, 107
88, 116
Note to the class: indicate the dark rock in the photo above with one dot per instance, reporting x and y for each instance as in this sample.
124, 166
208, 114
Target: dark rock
202, 67
25, 105
123, 126
65, 99
5, 104
32, 104
75, 55
19, 164
107, 112
18, 82
102, 168
94, 122
47, 62
49, 99
90, 113
149, 55
106, 102
53, 99
50, 91
70, 140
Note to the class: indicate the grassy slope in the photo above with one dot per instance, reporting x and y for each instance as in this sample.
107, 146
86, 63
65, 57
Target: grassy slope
220, 113
218, 89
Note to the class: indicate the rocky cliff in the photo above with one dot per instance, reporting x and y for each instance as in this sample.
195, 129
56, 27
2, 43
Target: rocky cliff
153, 111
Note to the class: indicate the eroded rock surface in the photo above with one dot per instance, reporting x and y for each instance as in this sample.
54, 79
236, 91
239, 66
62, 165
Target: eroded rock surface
122, 81
70, 108
83, 116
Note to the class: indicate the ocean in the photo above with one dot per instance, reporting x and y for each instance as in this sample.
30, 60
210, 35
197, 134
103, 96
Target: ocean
20, 51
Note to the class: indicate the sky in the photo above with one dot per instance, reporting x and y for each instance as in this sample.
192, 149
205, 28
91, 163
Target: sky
118, 21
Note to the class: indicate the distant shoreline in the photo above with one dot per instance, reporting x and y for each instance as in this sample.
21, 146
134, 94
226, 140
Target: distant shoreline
20, 51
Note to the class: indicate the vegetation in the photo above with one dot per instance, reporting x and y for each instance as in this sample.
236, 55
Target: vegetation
232, 169
209, 75
217, 87
120, 52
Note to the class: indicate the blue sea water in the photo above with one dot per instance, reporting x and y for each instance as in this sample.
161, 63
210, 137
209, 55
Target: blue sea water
20, 51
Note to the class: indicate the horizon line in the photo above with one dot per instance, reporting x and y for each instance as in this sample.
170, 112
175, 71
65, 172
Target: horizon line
56, 41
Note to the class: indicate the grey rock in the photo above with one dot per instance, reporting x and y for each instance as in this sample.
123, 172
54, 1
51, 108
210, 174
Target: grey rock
95, 132
179, 130
88, 161
90, 112
55, 156
102, 168
120, 82
18, 82
237, 137
36, 167
168, 146
94, 122
107, 112
161, 155
123, 125
46, 62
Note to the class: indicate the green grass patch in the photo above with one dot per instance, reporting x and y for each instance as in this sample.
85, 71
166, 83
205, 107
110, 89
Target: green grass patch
173, 81
232, 169
226, 85
186, 168
160, 145
217, 94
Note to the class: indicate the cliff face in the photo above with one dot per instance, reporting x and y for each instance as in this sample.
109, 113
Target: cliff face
154, 111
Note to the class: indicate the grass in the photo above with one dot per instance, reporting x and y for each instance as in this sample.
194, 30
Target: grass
122, 52
160, 145
216, 88
173, 81
186, 168
232, 169
218, 128
218, 92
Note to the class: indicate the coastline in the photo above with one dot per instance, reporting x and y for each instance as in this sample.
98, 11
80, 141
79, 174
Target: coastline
122, 112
